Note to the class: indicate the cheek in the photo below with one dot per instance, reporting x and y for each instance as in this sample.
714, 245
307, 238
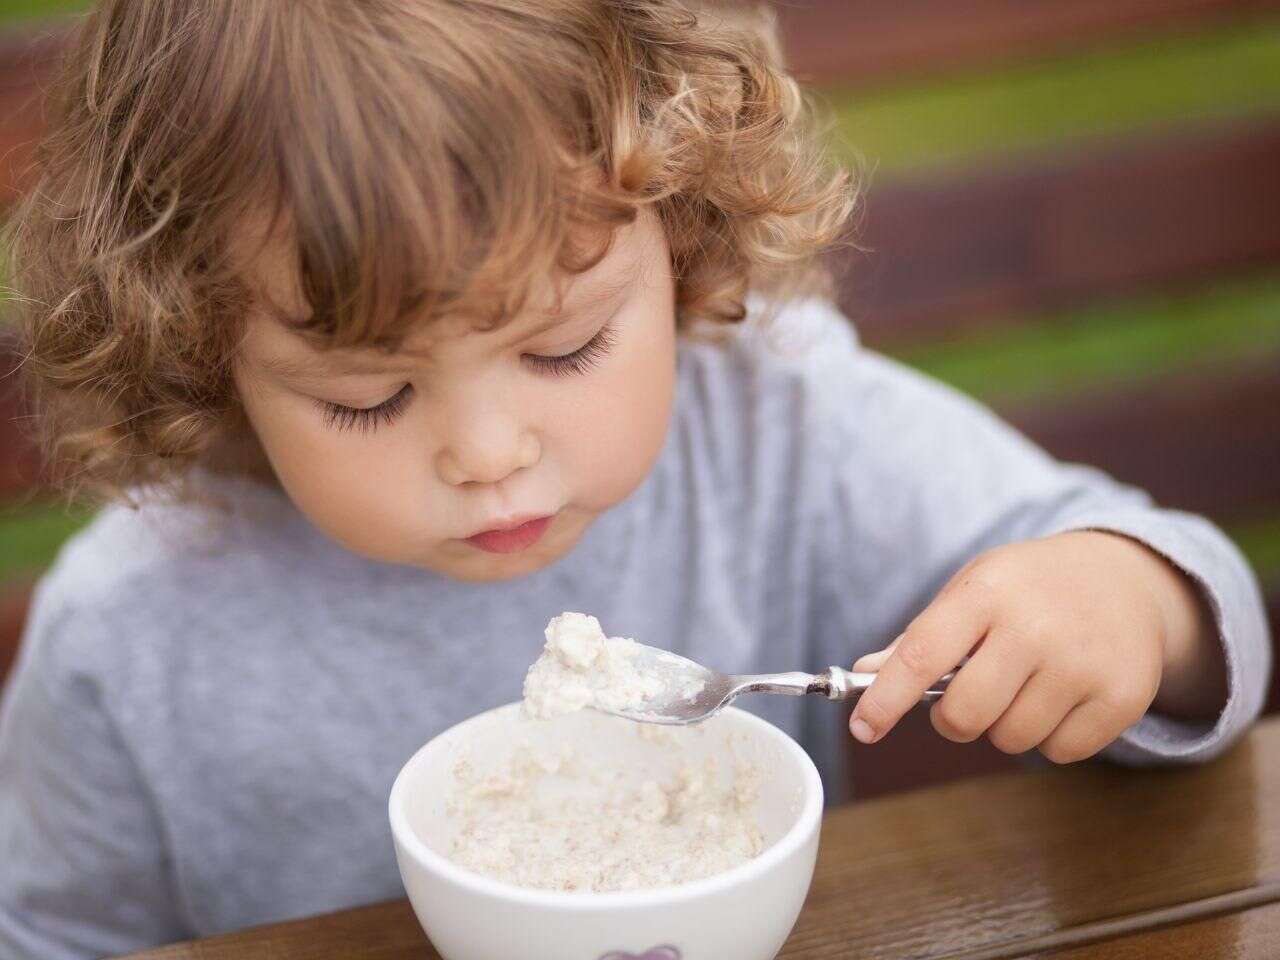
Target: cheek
363, 491
619, 428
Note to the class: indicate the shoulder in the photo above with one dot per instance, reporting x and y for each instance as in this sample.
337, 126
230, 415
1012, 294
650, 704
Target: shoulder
754, 401
796, 341
799, 388
775, 375
156, 541
121, 546
809, 357
138, 573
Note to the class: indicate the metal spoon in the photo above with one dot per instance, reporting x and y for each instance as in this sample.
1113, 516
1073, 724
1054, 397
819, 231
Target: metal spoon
679, 674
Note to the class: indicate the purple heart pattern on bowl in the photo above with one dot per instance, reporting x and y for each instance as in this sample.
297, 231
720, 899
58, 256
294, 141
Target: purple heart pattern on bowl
654, 953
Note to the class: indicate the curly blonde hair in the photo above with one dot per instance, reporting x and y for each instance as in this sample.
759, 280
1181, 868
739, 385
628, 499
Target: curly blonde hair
428, 157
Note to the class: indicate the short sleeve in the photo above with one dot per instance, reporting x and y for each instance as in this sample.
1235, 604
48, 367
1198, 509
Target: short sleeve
84, 868
924, 479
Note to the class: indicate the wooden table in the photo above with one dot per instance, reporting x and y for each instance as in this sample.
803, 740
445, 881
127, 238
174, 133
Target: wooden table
1089, 861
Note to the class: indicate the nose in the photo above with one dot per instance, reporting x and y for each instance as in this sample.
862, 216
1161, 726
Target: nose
485, 446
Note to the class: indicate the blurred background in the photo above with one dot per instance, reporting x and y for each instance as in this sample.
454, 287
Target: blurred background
1072, 213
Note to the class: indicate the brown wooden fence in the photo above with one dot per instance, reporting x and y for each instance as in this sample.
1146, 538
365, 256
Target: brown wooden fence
950, 251
866, 42
953, 251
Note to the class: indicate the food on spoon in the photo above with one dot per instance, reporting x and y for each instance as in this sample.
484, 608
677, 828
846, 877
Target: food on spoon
581, 667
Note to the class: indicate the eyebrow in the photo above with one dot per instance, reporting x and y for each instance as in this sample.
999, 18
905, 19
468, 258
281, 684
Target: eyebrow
603, 288
598, 288
585, 294
298, 368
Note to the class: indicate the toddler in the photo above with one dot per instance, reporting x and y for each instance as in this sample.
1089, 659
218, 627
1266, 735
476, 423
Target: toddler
390, 329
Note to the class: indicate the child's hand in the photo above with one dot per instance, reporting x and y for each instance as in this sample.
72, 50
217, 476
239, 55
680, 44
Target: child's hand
1071, 638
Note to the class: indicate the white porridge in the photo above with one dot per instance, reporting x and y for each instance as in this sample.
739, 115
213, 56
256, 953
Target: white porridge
581, 667
550, 821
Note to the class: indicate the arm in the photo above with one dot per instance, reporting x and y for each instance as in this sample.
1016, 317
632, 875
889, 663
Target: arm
85, 870
930, 488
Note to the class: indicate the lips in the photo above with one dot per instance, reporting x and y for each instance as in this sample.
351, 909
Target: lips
511, 539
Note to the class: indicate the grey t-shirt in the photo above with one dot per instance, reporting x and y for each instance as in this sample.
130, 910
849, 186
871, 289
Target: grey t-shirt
209, 708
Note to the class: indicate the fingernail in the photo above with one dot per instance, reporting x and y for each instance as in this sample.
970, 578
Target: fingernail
862, 731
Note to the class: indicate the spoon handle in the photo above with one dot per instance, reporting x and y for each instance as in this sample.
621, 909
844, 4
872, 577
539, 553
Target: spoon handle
844, 684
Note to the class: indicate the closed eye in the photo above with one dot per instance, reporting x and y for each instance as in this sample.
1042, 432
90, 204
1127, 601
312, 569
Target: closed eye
365, 419
581, 360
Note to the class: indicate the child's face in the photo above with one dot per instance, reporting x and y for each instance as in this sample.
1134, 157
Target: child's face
402, 458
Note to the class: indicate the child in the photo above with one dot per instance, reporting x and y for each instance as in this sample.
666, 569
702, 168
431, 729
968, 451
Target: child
400, 326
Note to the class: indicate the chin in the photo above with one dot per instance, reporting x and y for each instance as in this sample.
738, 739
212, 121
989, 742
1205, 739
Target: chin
496, 568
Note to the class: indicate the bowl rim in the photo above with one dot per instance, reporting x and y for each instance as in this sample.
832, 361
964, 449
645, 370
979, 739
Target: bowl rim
806, 824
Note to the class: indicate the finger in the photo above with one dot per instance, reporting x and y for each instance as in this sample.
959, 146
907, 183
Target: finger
1083, 732
1095, 723
871, 662
982, 691
934, 643
1037, 710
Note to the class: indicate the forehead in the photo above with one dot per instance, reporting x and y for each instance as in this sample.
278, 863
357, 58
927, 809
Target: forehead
637, 250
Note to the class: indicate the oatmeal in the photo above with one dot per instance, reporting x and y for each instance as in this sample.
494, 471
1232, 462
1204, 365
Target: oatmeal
550, 821
581, 667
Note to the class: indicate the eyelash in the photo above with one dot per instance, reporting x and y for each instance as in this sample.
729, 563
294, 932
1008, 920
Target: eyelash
364, 419
581, 361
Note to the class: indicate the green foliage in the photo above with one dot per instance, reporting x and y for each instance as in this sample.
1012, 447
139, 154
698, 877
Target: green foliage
31, 535
1222, 73
1261, 544
1111, 344
19, 10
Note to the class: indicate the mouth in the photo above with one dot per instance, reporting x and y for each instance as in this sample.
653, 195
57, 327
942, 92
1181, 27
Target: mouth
512, 536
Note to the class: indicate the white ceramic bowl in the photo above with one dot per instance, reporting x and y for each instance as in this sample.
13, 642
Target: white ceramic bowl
744, 913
